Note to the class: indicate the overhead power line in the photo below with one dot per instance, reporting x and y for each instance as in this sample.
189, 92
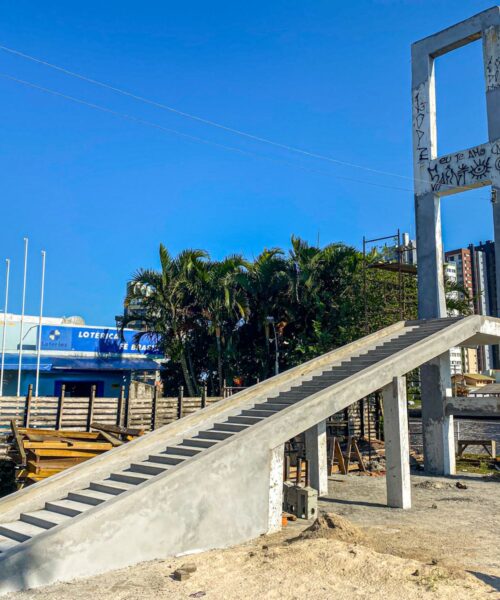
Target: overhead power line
199, 119
209, 122
190, 137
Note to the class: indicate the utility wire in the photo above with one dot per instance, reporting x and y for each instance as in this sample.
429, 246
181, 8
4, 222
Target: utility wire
201, 119
192, 138
214, 123
211, 123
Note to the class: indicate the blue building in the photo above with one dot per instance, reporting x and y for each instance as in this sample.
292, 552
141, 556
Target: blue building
75, 355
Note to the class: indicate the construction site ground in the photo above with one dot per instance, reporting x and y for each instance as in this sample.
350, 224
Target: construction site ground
445, 547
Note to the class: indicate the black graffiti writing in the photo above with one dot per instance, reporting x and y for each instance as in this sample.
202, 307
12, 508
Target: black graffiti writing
493, 73
481, 168
420, 108
475, 152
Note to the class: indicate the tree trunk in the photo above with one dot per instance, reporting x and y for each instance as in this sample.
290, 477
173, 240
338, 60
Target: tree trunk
187, 376
219, 361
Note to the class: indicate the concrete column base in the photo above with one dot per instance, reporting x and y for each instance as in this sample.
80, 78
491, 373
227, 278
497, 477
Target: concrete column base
317, 457
397, 446
276, 489
437, 428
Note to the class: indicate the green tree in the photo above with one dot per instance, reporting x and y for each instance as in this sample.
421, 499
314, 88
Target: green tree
168, 305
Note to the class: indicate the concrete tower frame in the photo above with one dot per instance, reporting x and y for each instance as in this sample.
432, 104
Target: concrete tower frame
436, 176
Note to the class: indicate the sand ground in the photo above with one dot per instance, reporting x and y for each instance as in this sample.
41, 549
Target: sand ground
446, 547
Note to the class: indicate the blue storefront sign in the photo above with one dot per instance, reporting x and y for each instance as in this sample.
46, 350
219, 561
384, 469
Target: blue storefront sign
98, 340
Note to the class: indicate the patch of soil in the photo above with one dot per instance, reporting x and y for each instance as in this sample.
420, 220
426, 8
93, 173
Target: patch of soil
332, 526
433, 485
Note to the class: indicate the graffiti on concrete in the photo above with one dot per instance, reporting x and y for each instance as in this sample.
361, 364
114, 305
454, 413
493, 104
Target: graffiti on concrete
420, 124
493, 73
468, 168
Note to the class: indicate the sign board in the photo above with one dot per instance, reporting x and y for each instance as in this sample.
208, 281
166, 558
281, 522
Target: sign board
97, 340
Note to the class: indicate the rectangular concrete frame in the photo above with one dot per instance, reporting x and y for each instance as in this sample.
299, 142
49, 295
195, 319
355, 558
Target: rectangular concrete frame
436, 176
220, 497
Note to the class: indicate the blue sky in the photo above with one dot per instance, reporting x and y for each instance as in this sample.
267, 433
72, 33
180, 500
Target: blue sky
99, 193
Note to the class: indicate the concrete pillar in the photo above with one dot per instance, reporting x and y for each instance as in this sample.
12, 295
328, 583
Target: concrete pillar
276, 488
397, 447
491, 56
437, 428
431, 295
317, 457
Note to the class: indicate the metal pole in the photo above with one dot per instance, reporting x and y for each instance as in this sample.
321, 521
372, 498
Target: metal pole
39, 341
277, 354
7, 275
21, 333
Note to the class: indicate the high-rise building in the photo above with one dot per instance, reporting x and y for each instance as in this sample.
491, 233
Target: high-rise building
463, 261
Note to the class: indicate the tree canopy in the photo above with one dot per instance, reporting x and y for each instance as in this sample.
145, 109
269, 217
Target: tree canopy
226, 319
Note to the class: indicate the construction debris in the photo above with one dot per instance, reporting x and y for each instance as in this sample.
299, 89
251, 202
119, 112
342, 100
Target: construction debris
40, 453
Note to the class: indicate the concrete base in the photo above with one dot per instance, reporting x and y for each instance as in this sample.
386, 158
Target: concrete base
316, 455
397, 447
276, 489
437, 427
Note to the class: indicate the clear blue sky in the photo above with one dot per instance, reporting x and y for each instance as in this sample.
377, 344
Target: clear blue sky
100, 193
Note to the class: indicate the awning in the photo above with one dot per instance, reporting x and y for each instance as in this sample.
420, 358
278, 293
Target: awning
64, 363
28, 362
104, 364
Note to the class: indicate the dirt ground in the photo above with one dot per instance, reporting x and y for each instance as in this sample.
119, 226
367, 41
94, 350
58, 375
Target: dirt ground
446, 547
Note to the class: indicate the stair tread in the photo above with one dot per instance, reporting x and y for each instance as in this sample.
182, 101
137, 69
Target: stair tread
20, 527
93, 495
46, 515
118, 485
69, 504
7, 543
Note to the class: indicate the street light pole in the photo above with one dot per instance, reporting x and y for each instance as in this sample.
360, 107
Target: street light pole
39, 341
22, 318
276, 348
7, 275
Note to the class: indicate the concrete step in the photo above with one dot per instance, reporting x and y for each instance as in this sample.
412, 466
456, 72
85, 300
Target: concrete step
44, 518
282, 400
129, 477
167, 459
181, 451
90, 497
147, 468
270, 406
68, 507
230, 427
20, 531
198, 443
241, 420
111, 487
252, 412
7, 543
214, 435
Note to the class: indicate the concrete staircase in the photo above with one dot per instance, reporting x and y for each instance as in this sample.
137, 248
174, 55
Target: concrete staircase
203, 481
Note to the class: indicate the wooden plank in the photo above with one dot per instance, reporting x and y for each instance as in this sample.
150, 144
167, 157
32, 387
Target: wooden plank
28, 405
19, 441
62, 452
76, 446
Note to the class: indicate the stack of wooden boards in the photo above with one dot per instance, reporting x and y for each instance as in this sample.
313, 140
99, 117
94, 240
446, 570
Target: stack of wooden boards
40, 453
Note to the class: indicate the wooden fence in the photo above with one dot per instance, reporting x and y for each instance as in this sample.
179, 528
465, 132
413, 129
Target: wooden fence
77, 414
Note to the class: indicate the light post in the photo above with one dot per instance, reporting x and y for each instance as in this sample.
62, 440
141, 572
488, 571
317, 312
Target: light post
271, 321
7, 263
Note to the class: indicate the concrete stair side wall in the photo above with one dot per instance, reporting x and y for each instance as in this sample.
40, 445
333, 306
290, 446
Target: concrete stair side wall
52, 488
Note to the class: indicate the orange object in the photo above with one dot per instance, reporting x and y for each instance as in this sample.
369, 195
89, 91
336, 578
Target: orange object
284, 521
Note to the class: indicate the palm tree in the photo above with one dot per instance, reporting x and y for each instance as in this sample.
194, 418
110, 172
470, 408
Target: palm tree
222, 301
266, 281
167, 306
